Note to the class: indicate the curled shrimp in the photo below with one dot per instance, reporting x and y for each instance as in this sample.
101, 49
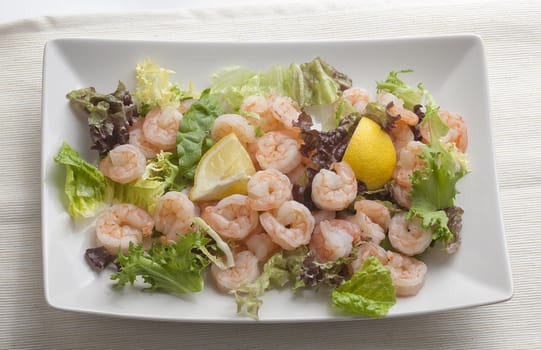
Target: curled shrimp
260, 106
268, 189
408, 161
289, 226
395, 106
246, 270
279, 151
284, 109
160, 127
233, 123
370, 231
358, 98
137, 138
261, 245
334, 239
376, 211
458, 132
366, 250
334, 190
320, 215
408, 273
401, 195
173, 214
408, 236
401, 135
231, 217
123, 164
122, 224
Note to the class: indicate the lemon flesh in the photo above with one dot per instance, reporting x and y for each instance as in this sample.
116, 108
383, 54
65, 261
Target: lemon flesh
371, 154
222, 171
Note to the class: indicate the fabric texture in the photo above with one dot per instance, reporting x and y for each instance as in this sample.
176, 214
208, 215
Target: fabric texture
511, 32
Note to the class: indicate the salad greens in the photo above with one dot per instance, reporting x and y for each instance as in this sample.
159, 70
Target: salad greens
86, 187
193, 137
400, 89
109, 115
370, 291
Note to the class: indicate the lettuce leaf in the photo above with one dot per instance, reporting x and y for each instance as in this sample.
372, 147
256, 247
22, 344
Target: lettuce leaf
434, 185
369, 292
176, 268
400, 89
86, 187
109, 115
311, 83
153, 87
281, 268
193, 137
159, 175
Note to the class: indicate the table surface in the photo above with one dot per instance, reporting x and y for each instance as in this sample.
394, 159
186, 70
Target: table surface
511, 33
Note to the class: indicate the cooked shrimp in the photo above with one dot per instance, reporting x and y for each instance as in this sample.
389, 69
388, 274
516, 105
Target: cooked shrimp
334, 239
408, 161
233, 123
261, 245
358, 98
370, 231
401, 135
268, 189
185, 105
397, 108
334, 190
408, 274
122, 224
137, 138
255, 104
408, 236
123, 164
160, 127
284, 109
366, 250
401, 195
320, 215
231, 217
376, 211
173, 214
246, 270
289, 226
279, 151
458, 132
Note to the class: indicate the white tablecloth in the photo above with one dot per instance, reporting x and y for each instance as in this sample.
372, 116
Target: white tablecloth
511, 32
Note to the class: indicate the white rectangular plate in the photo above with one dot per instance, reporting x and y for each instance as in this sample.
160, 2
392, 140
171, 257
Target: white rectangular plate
452, 68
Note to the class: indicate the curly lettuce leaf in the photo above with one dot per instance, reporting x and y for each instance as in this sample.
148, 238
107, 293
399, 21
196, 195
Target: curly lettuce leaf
311, 83
434, 185
193, 137
86, 187
176, 268
369, 292
109, 115
153, 87
159, 175
281, 268
394, 85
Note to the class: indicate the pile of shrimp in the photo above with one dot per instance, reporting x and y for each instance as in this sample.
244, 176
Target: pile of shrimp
267, 219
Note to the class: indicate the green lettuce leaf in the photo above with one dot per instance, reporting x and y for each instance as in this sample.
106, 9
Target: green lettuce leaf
176, 268
369, 292
281, 268
153, 87
193, 137
434, 185
400, 89
311, 83
159, 176
86, 187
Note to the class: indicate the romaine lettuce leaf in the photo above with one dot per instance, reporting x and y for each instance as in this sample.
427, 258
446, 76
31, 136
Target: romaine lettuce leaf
193, 137
109, 116
86, 187
159, 175
176, 268
369, 292
153, 87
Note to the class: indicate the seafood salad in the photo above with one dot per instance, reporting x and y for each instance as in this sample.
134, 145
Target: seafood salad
290, 177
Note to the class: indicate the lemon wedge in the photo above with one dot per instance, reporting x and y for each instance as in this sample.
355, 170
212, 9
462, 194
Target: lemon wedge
371, 154
222, 171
